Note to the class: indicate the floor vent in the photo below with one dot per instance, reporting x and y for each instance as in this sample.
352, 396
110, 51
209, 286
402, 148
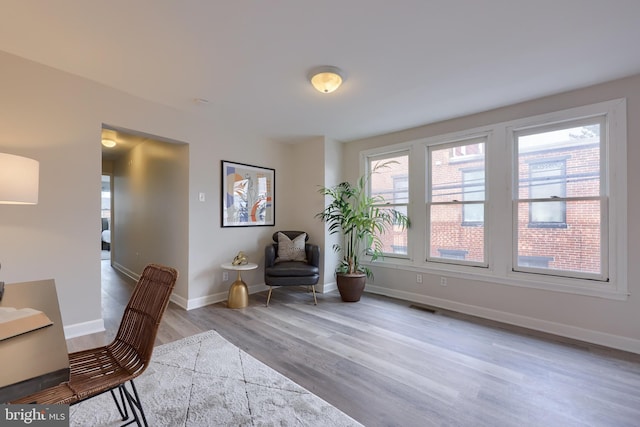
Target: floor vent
423, 308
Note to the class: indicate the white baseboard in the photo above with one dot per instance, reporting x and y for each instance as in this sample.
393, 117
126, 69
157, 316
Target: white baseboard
213, 298
222, 296
328, 287
130, 274
84, 328
573, 332
180, 301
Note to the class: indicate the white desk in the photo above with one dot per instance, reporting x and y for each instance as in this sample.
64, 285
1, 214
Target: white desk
238, 292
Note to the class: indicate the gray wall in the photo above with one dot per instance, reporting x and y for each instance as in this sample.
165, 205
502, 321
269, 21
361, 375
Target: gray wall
151, 209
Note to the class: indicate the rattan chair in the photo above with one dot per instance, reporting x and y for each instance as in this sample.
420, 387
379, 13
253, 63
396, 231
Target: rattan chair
102, 369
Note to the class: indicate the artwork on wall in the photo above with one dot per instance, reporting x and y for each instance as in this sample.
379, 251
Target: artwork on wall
248, 195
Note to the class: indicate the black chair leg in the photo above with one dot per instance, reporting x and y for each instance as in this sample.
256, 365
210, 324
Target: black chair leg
138, 403
133, 401
122, 407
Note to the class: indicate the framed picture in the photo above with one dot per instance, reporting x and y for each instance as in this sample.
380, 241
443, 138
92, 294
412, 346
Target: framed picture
248, 195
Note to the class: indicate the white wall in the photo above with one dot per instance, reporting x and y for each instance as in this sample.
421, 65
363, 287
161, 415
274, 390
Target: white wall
609, 322
333, 175
56, 118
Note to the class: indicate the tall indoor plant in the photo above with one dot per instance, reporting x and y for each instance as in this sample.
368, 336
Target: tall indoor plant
361, 220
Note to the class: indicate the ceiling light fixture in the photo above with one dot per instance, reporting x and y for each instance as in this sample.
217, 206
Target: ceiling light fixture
326, 79
109, 143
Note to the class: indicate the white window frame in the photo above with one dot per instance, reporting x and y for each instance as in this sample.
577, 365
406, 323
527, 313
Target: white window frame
498, 216
603, 197
451, 144
381, 157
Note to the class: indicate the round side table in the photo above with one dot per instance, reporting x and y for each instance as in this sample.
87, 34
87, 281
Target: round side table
238, 292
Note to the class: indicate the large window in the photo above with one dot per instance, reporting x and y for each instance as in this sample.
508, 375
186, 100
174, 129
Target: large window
456, 202
560, 198
391, 184
535, 202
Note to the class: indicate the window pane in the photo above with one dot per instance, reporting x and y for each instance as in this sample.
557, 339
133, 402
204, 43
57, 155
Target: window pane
455, 177
392, 181
450, 240
394, 239
547, 179
542, 170
574, 248
547, 212
473, 190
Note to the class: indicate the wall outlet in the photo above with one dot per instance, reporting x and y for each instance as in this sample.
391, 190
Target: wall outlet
443, 281
418, 278
225, 276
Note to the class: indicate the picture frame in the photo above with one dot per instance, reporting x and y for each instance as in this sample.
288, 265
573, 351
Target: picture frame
248, 195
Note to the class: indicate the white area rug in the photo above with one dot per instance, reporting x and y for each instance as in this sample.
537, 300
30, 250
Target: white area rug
205, 380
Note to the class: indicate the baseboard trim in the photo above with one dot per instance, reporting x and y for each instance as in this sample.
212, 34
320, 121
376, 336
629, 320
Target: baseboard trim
567, 331
122, 269
84, 328
213, 298
222, 296
327, 287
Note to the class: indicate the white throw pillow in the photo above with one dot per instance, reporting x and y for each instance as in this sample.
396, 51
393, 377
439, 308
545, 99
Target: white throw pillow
291, 250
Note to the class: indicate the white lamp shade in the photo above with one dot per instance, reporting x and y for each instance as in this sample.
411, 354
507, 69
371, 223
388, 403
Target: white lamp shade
19, 177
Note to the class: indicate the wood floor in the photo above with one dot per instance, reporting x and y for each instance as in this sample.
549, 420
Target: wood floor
388, 363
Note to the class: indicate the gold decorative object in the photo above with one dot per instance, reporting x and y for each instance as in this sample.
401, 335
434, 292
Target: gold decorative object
240, 259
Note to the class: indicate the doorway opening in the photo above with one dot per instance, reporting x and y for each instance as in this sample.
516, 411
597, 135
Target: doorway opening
144, 207
105, 217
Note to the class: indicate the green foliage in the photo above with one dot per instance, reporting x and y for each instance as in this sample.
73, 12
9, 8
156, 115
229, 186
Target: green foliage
354, 214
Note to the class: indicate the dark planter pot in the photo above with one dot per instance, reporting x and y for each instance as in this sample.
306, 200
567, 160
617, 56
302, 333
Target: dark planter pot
351, 286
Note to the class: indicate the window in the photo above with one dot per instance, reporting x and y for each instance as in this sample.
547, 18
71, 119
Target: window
456, 200
453, 253
560, 198
537, 202
391, 183
534, 261
463, 152
473, 190
547, 180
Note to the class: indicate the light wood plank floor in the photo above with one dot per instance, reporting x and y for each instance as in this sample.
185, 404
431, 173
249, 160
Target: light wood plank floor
388, 363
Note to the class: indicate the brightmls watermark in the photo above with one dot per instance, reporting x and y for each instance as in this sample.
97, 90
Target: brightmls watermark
34, 415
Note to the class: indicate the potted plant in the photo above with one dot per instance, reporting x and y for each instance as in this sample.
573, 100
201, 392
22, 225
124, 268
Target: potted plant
361, 220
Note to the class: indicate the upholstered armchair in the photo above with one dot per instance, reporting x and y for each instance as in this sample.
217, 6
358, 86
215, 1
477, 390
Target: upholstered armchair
291, 261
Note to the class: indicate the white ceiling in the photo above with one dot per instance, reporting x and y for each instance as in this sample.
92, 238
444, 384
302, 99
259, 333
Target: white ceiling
408, 62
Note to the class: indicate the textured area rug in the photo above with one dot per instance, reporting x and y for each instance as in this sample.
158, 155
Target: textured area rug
205, 380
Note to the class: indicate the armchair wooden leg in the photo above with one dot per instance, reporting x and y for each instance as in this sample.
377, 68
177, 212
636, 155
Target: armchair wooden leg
313, 288
269, 296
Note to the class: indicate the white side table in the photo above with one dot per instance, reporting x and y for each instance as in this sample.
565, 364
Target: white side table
238, 292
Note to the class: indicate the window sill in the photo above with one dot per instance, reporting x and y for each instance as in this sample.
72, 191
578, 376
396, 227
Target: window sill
581, 287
